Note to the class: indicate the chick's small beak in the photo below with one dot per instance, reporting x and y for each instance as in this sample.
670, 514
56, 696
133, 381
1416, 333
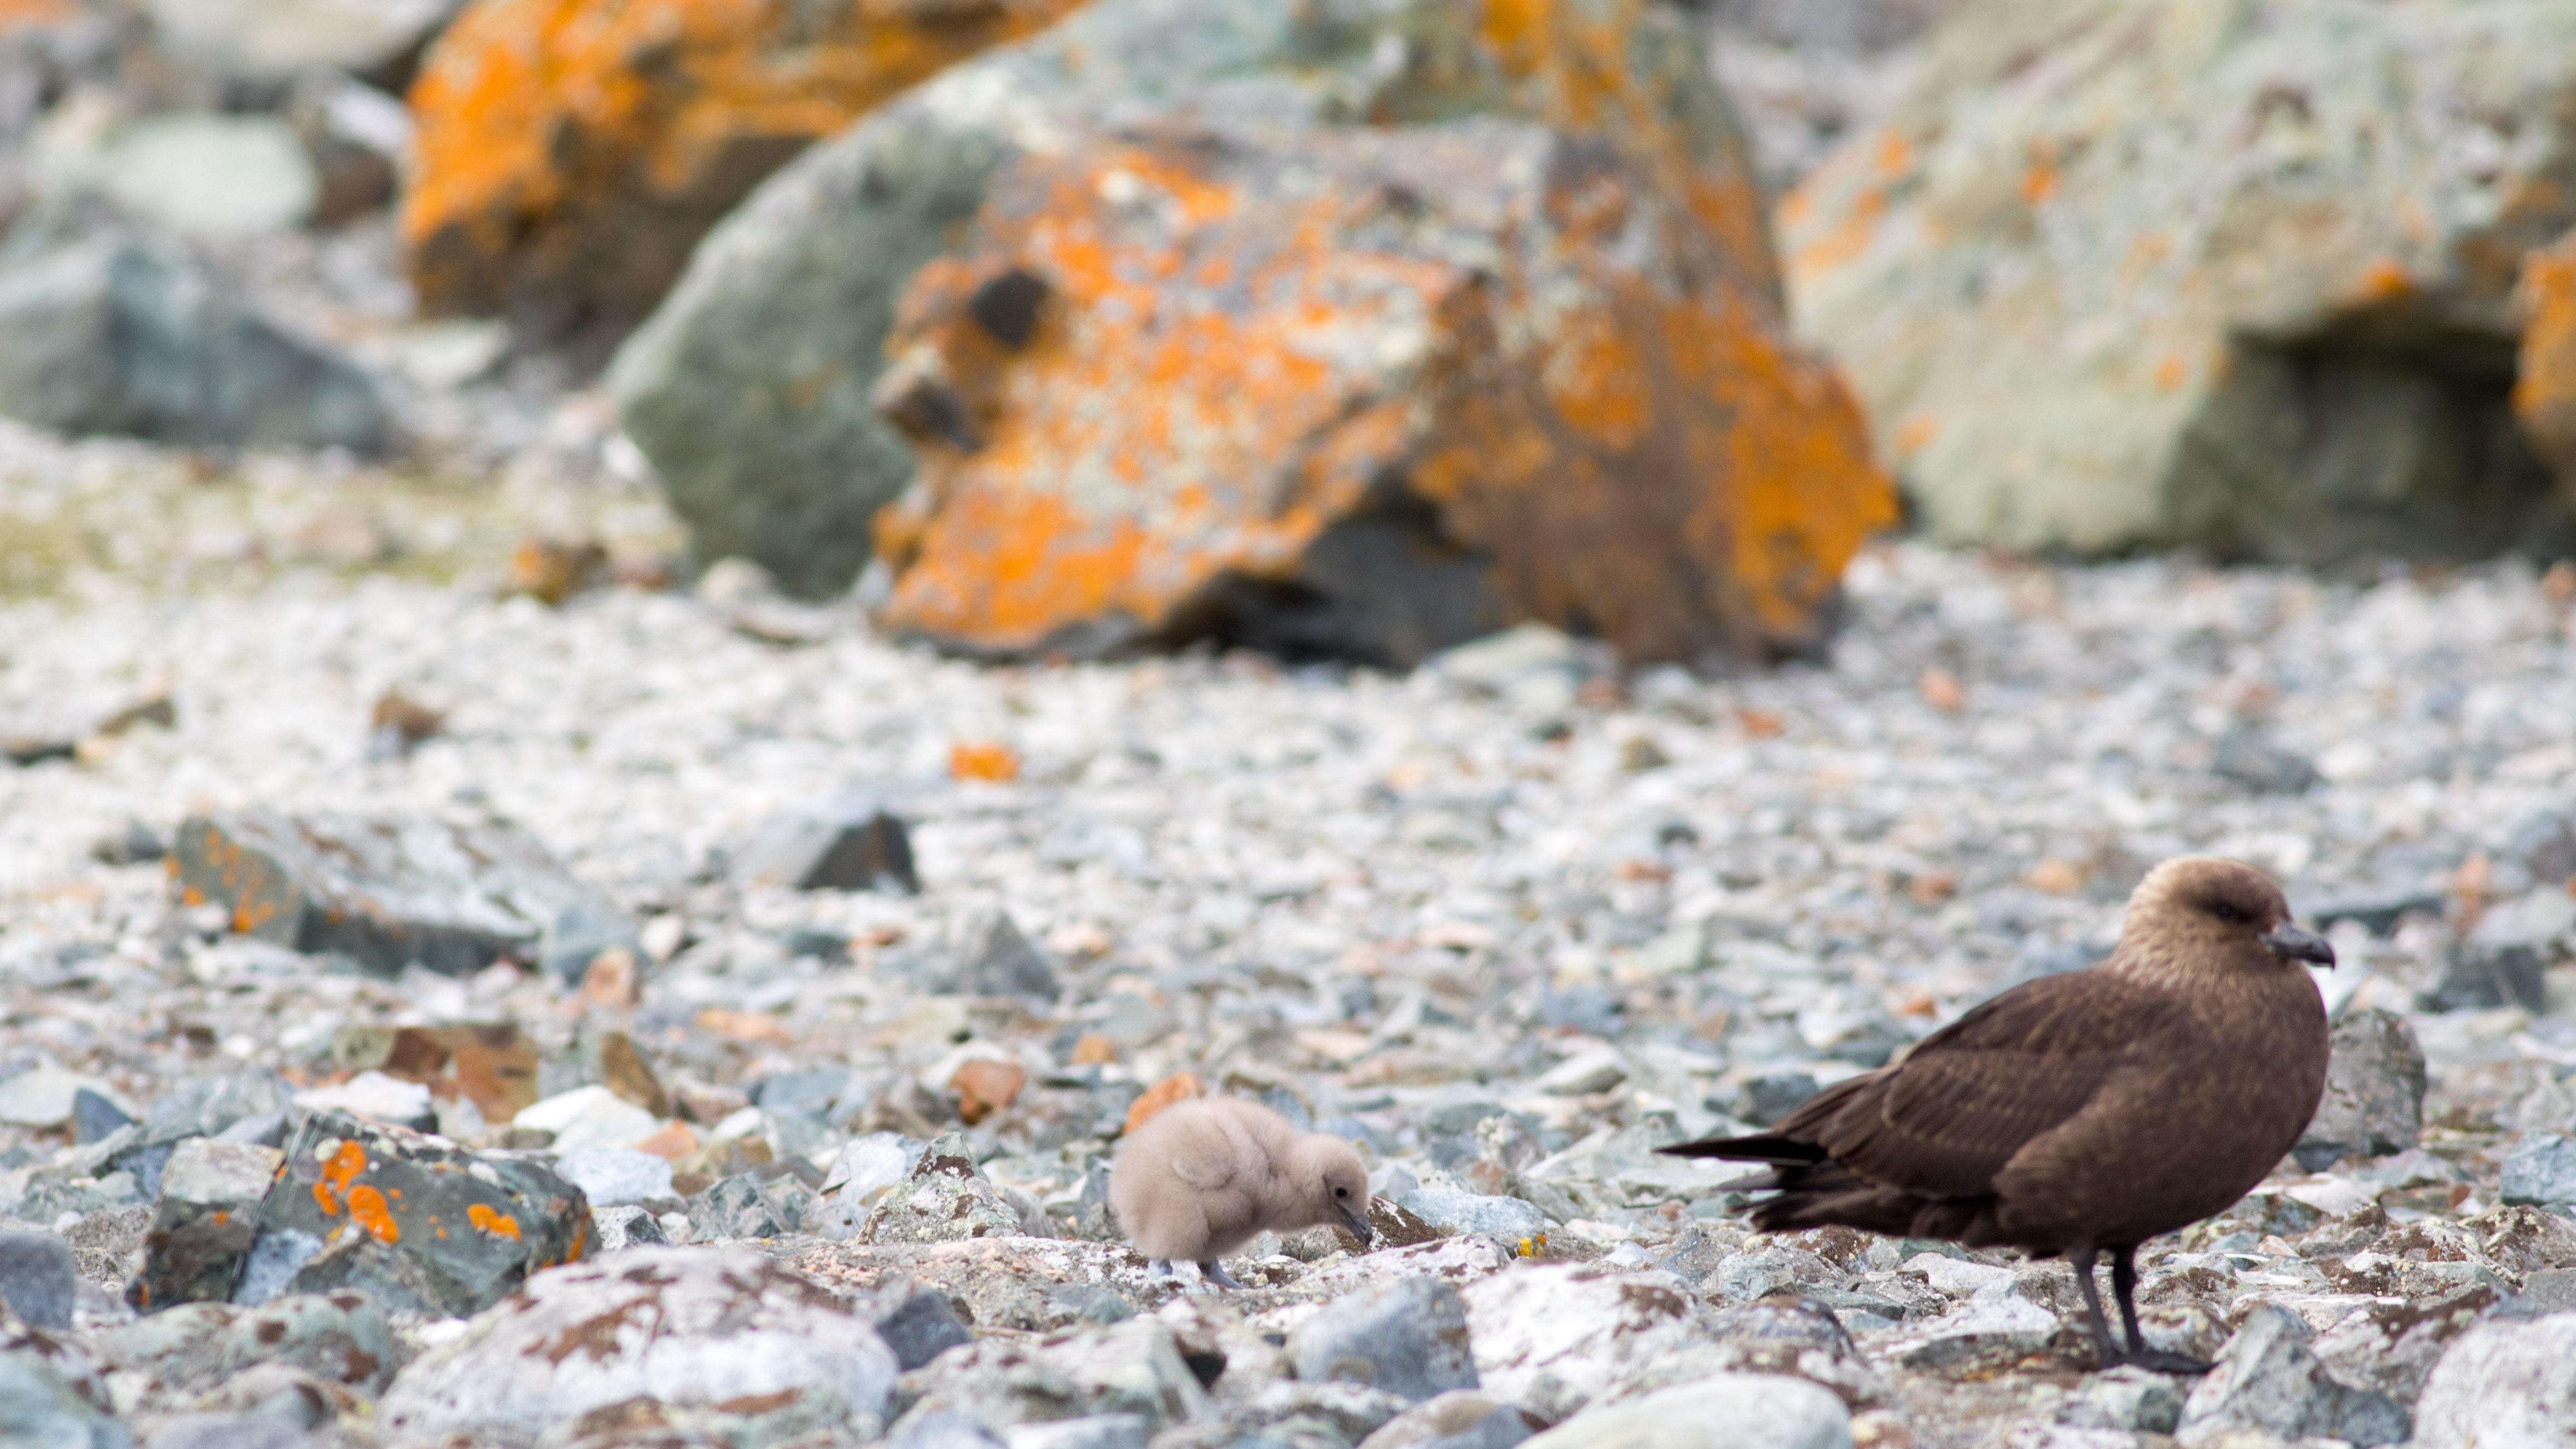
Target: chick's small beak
2295, 944
1359, 1225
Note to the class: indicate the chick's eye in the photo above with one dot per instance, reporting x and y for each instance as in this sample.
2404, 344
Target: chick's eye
2227, 913
1341, 1192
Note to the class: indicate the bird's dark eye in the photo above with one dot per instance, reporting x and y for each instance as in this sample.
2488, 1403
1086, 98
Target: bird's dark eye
2227, 913
1341, 1192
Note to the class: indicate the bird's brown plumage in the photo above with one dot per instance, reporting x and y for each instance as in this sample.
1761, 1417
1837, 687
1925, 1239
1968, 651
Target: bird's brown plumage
2083, 1112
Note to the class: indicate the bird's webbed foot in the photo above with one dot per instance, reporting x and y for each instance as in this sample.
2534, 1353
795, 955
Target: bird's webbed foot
2155, 1360
1214, 1272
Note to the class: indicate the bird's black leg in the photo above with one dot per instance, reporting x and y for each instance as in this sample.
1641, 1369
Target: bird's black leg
2105, 1352
2124, 1287
1214, 1272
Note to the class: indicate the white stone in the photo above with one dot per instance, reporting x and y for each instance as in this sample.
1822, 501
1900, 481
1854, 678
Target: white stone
1723, 1411
372, 1095
611, 1176
591, 1116
2505, 1384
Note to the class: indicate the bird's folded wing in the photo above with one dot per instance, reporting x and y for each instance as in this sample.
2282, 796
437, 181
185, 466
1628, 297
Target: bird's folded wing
1946, 1120
1207, 1168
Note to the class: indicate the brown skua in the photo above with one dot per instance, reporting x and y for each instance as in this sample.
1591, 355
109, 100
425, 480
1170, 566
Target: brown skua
2079, 1114
1201, 1178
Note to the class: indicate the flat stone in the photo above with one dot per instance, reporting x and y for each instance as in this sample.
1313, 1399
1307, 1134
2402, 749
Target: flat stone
1728, 1411
44, 1096
615, 1176
388, 893
917, 1323
681, 1326
1553, 1337
2130, 1399
41, 1405
1134, 1367
38, 1279
1091, 1431
2541, 1170
205, 1221
1408, 1337
589, 1117
201, 174
1458, 1419
1452, 1210
2006, 1325
377, 1097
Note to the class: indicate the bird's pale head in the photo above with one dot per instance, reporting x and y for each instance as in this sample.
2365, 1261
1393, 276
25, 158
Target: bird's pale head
1331, 1184
2202, 909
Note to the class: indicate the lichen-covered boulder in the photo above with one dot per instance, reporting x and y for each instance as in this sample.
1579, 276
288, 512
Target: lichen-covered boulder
1364, 396
414, 1221
571, 152
2133, 273
750, 389
709, 1329
2544, 384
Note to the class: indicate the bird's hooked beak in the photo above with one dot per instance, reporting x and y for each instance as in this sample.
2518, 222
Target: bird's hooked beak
1359, 1225
2293, 944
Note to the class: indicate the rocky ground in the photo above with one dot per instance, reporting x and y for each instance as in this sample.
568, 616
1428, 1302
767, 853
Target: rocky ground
1508, 923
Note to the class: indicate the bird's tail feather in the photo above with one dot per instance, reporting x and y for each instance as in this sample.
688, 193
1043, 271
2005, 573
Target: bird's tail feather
1762, 1148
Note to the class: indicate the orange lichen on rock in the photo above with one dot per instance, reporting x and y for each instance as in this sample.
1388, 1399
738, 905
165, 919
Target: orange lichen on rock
1179, 1087
2544, 388
581, 147
368, 1209
982, 760
498, 1224
1515, 331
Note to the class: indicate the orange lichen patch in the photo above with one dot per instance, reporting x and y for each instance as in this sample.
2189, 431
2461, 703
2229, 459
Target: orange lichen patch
1635, 451
2383, 280
983, 759
1092, 1049
339, 1170
498, 1224
1844, 244
2038, 181
2544, 387
2172, 371
1179, 1087
1895, 154
368, 1209
585, 144
984, 1087
1916, 434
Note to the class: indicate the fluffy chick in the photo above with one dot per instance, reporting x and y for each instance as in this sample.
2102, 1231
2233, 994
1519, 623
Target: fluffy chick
1203, 1177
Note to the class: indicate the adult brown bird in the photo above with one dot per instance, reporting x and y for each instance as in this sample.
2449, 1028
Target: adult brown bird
2084, 1113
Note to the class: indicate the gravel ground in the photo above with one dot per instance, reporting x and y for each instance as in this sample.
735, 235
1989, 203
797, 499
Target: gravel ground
1509, 921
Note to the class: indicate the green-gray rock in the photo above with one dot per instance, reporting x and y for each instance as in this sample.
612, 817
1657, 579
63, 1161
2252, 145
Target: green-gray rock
749, 388
2226, 273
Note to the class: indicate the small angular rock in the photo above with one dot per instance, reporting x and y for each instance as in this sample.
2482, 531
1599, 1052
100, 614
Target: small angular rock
1458, 1419
203, 1225
2268, 1380
1724, 1411
1408, 1337
2505, 1384
996, 960
942, 1200
615, 1229
918, 1323
2374, 1099
839, 845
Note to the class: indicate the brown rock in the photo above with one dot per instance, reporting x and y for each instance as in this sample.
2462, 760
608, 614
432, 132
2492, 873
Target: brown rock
569, 155
984, 1087
1179, 1087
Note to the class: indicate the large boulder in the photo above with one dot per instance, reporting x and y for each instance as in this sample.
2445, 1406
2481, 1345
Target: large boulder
705, 1328
1363, 396
570, 154
750, 389
2128, 273
2544, 384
